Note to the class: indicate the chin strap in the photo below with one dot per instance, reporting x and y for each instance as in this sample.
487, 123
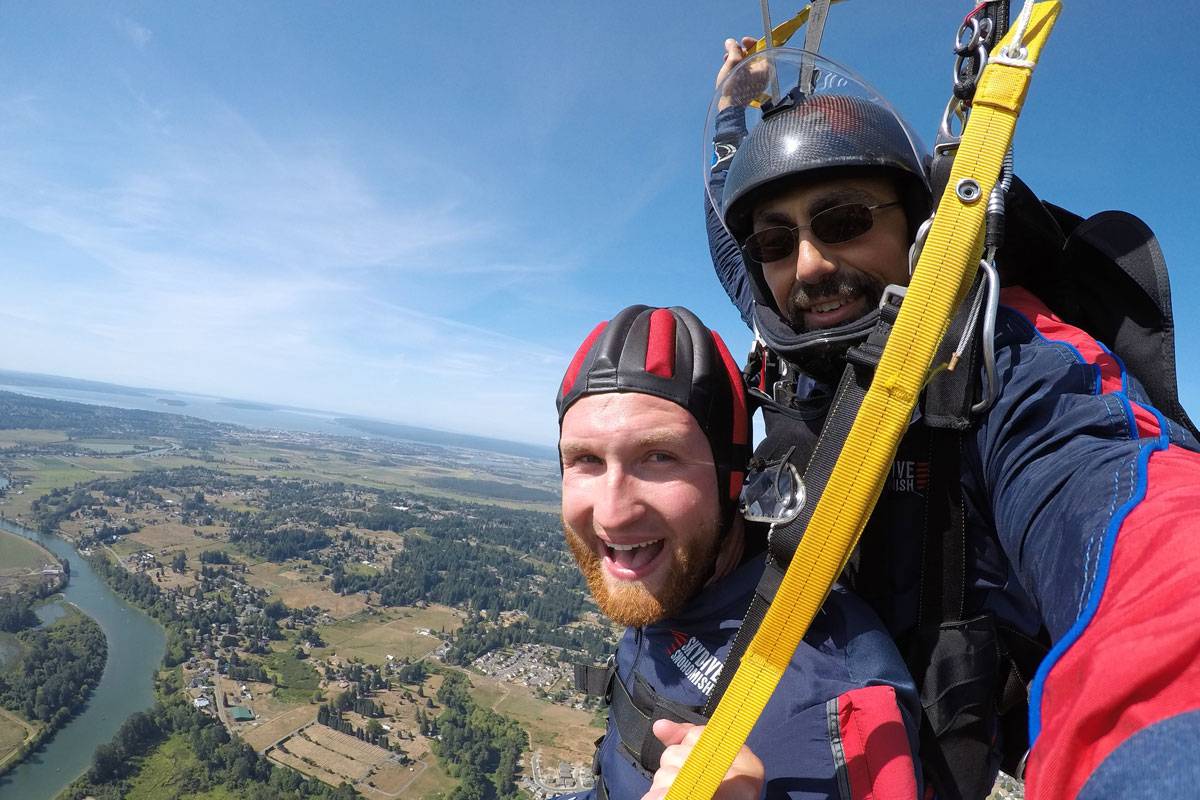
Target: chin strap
945, 271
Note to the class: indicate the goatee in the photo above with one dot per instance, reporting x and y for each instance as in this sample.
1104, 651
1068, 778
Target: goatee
632, 603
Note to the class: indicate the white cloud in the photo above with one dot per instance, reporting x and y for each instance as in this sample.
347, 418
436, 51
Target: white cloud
140, 35
209, 259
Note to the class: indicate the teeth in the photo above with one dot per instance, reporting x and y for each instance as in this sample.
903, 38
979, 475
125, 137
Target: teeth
822, 308
632, 546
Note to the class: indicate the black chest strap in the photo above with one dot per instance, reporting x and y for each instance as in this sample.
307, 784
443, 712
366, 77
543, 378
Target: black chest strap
633, 710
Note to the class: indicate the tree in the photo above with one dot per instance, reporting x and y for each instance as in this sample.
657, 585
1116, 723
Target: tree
179, 562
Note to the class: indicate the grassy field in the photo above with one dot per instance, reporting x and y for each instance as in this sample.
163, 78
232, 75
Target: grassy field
19, 555
562, 733
428, 781
163, 771
297, 585
271, 730
296, 679
44, 474
15, 437
373, 637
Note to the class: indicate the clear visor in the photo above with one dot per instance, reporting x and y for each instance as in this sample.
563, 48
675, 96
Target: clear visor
774, 80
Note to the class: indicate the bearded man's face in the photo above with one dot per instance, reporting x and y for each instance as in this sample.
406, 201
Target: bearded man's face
640, 508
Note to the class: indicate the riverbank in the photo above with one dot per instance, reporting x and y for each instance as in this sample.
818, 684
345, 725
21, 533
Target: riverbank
136, 645
50, 678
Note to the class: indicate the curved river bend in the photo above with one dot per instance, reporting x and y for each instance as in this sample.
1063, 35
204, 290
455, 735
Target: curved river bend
136, 645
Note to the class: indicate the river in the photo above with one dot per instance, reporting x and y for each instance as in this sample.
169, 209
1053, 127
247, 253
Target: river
136, 645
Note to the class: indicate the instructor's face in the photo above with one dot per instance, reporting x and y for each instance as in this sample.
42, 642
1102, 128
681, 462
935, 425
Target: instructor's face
818, 284
639, 503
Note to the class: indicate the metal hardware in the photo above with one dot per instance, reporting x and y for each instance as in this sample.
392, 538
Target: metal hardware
914, 250
968, 190
893, 295
991, 389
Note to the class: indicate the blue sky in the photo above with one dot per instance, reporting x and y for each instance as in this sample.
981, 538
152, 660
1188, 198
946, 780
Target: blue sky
415, 211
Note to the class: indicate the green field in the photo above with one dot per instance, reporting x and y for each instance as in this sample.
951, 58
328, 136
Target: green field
373, 637
167, 772
432, 780
14, 437
296, 679
19, 555
111, 447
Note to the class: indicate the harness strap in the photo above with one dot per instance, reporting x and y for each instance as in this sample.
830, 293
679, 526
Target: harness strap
943, 274
634, 712
595, 680
782, 542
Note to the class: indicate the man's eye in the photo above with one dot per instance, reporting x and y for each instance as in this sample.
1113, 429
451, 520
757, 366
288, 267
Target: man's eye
661, 458
583, 460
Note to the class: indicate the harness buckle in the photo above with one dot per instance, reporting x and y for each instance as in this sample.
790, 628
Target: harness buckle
893, 295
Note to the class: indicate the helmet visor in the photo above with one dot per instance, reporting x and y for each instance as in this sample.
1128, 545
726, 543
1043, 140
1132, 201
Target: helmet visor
783, 112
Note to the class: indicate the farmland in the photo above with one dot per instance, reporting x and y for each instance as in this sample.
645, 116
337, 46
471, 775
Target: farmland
366, 554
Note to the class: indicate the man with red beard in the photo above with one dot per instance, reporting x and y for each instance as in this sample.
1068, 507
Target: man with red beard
654, 442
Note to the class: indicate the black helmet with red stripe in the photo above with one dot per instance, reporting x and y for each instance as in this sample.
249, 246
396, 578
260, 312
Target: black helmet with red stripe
669, 353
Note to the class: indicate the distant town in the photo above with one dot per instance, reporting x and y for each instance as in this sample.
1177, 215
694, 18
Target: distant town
344, 606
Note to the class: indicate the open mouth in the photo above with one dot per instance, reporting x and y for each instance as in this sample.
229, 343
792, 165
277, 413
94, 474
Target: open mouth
832, 311
630, 561
821, 308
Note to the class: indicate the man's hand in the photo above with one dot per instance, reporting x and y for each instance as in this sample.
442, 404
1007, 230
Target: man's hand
744, 781
750, 84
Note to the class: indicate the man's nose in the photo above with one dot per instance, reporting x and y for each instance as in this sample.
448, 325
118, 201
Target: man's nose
617, 501
812, 264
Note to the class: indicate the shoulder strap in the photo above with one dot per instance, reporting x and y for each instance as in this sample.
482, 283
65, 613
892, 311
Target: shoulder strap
783, 542
596, 680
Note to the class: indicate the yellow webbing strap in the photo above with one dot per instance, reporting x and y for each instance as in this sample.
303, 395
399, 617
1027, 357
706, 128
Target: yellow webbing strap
784, 31
944, 271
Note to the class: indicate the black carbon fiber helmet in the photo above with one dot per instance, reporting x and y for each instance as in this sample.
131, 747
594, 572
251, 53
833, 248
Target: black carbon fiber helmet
831, 124
669, 353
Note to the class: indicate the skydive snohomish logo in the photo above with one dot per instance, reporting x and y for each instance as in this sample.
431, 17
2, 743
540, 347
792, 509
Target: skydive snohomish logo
909, 476
698, 666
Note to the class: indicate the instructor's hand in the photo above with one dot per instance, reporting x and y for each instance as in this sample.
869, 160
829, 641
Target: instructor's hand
744, 781
750, 84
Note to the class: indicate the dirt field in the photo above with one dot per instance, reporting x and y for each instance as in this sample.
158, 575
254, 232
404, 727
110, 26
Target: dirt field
299, 588
350, 768
269, 730
13, 731
422, 779
333, 757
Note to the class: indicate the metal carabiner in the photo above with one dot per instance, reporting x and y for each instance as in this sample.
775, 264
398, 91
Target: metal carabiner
990, 308
980, 30
947, 139
914, 250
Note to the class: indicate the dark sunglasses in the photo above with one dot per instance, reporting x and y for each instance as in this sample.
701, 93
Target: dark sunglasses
831, 226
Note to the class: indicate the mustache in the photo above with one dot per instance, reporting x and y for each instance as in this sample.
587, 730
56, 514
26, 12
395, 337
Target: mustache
845, 283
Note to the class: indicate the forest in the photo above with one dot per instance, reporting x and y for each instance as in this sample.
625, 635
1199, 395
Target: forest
221, 761
58, 667
477, 745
